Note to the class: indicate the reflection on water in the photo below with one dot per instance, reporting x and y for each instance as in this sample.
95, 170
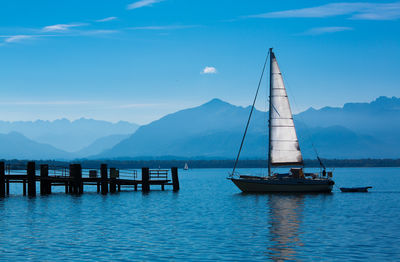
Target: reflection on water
285, 216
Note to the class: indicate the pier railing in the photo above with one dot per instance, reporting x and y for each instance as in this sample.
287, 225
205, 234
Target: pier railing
158, 174
74, 178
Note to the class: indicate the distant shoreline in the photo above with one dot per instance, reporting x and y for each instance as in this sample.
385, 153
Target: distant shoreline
208, 163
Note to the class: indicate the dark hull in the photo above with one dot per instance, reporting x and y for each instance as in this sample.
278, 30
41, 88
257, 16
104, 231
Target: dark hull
284, 185
355, 189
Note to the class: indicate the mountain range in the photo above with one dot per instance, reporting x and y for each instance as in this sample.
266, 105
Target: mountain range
66, 135
214, 130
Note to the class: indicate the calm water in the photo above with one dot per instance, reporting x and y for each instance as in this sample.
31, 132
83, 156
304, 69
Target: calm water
209, 219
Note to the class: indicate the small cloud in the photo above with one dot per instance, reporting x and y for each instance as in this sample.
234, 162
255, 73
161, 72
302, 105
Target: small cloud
209, 70
17, 38
43, 103
107, 19
142, 3
360, 11
98, 32
60, 27
325, 30
164, 27
140, 105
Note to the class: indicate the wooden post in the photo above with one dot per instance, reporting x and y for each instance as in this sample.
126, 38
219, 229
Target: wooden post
79, 178
119, 187
48, 189
104, 182
70, 187
98, 187
31, 173
24, 187
66, 187
44, 174
72, 175
7, 186
175, 179
76, 174
145, 179
113, 178
2, 180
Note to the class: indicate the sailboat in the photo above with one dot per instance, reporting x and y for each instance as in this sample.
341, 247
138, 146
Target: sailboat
283, 147
186, 167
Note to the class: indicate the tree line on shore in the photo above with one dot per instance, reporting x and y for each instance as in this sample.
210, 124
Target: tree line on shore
255, 163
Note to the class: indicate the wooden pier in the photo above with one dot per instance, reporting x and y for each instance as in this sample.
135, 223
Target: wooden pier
74, 178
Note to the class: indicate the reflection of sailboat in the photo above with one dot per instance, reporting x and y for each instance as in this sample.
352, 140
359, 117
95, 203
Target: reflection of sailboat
283, 148
186, 167
285, 219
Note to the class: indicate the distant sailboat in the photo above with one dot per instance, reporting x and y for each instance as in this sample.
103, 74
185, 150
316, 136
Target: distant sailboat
283, 148
186, 167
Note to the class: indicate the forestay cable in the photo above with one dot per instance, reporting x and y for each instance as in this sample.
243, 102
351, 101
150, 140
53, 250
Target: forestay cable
251, 112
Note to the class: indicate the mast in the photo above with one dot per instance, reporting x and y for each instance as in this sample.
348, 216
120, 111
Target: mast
269, 111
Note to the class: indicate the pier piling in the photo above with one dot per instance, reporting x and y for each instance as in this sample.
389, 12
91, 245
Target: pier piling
104, 182
145, 179
76, 174
44, 182
24, 187
7, 186
175, 179
31, 173
2, 180
113, 180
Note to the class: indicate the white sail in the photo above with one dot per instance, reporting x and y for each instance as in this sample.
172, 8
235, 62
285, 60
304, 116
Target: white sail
284, 145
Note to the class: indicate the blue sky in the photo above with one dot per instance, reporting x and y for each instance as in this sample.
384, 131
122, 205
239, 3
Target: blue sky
139, 60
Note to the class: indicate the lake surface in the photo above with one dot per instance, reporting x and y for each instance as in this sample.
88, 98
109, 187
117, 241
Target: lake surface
208, 219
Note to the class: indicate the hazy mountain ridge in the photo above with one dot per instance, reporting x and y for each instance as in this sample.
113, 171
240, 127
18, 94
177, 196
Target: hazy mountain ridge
65, 134
379, 119
180, 133
16, 146
99, 145
215, 129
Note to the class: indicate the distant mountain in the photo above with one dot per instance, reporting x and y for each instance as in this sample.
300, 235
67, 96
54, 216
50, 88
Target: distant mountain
17, 146
67, 135
379, 119
215, 130
100, 145
379, 116
212, 129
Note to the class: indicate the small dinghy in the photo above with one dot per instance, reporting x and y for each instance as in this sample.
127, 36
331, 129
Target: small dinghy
355, 189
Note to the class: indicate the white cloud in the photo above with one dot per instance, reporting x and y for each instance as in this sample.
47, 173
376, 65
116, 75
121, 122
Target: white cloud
164, 27
142, 3
325, 30
111, 18
17, 38
43, 103
141, 105
98, 32
209, 70
60, 27
361, 11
